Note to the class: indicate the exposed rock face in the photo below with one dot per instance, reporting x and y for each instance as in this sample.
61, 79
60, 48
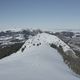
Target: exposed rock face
72, 39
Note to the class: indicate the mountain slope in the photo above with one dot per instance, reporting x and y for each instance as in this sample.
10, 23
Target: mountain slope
38, 61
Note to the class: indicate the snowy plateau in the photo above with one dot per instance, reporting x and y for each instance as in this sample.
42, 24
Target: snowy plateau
36, 60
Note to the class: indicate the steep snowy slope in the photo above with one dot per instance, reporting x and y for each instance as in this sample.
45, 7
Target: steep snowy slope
36, 60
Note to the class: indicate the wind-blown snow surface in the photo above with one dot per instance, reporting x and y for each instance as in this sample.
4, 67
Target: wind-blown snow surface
36, 62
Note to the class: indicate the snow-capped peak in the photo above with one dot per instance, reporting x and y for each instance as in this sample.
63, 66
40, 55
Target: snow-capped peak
38, 61
45, 38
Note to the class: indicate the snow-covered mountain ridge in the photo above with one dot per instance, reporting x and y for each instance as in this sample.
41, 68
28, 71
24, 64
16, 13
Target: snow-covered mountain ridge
45, 38
36, 60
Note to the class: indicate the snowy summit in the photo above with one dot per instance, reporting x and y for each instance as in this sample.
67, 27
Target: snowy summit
36, 60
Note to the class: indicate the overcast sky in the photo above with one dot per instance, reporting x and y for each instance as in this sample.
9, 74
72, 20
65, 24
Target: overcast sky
56, 14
